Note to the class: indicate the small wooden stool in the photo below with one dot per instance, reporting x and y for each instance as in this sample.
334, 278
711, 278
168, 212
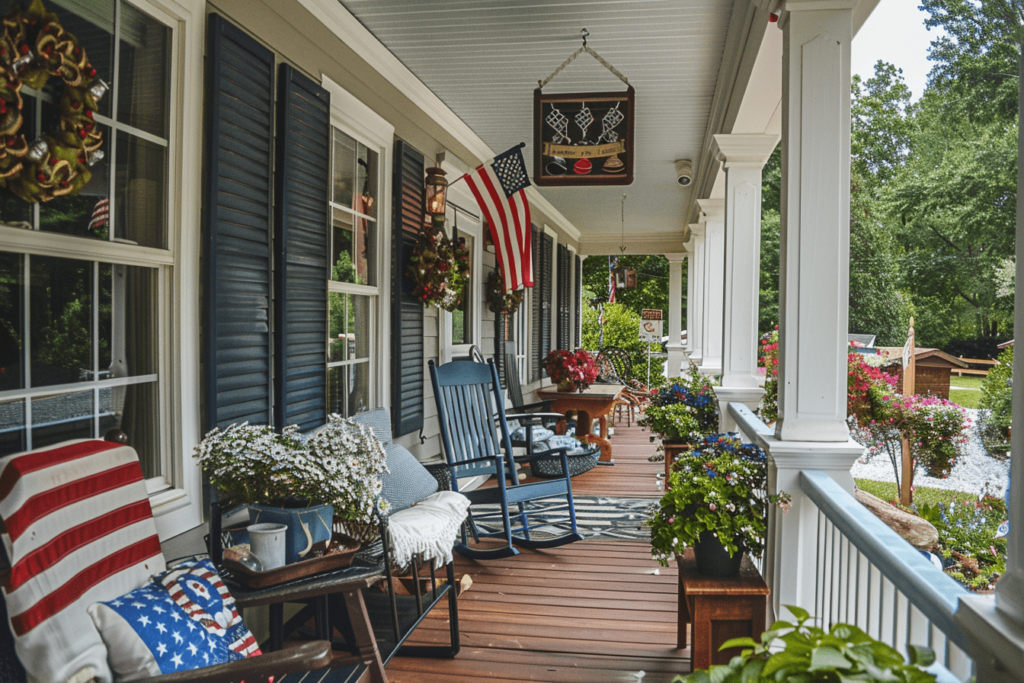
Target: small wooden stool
718, 609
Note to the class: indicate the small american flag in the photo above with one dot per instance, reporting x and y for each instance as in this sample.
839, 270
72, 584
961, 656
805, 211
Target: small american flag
78, 528
500, 190
100, 214
611, 280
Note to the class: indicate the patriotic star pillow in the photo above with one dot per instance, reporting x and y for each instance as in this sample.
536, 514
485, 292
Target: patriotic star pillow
184, 618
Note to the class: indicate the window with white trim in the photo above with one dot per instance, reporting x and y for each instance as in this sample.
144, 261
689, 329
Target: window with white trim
82, 346
353, 290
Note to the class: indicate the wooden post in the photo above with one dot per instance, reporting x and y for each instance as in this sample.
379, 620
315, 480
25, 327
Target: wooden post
909, 377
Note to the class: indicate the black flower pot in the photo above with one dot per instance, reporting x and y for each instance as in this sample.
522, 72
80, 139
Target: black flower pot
713, 559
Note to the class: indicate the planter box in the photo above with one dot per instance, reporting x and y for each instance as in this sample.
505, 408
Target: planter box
318, 519
671, 451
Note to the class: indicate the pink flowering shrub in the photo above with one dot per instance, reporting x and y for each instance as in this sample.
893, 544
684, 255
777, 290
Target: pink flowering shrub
768, 359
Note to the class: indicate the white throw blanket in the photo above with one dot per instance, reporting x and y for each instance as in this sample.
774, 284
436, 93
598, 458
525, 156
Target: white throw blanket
428, 528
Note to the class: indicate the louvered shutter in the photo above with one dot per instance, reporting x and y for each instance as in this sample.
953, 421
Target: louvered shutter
564, 290
236, 227
577, 301
407, 351
547, 256
301, 246
499, 345
536, 310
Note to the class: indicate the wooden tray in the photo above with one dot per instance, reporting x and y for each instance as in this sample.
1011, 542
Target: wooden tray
300, 569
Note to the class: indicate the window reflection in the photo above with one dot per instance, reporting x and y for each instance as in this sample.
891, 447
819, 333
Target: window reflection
349, 327
354, 249
60, 310
12, 322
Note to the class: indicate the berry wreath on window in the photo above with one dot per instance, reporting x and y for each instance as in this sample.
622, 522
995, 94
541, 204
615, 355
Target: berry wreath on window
34, 47
498, 300
440, 269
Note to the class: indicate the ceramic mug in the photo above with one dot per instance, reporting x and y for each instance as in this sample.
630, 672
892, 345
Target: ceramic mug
267, 543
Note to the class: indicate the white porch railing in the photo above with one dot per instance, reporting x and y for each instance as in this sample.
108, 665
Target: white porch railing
867, 575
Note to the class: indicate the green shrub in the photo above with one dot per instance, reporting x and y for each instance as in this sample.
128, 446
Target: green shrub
996, 396
621, 329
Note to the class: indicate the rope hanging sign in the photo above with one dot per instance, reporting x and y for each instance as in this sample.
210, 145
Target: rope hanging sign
583, 138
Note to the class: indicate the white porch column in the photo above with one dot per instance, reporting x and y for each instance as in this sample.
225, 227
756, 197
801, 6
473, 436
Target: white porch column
814, 284
744, 156
690, 303
676, 355
695, 336
996, 628
714, 284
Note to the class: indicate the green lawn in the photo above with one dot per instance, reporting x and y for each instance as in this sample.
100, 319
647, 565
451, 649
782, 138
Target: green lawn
968, 381
968, 398
887, 491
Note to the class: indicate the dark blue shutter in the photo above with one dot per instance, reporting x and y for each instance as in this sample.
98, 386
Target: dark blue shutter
236, 227
407, 350
301, 246
536, 310
547, 248
564, 292
578, 301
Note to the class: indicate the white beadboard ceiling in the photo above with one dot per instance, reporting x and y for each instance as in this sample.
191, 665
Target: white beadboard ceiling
483, 59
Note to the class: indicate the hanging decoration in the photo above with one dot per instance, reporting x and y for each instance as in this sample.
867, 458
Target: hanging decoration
566, 152
622, 277
34, 47
439, 266
498, 300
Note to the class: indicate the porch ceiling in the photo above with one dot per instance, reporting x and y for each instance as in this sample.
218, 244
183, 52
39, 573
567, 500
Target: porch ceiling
483, 59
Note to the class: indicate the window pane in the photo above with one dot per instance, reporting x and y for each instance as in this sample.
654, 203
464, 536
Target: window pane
12, 426
61, 320
86, 214
349, 327
462, 330
92, 23
344, 168
354, 249
366, 181
62, 417
127, 325
348, 389
144, 75
12, 323
140, 192
134, 409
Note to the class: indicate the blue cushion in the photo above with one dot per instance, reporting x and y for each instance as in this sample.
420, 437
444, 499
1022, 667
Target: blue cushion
575, 447
539, 434
408, 482
379, 421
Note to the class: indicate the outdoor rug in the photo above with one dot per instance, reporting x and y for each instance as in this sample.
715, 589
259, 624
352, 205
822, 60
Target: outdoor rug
597, 517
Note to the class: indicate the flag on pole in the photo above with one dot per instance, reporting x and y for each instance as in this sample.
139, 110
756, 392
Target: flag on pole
500, 189
611, 281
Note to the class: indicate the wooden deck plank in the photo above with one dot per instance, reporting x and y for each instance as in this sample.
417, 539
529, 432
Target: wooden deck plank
588, 612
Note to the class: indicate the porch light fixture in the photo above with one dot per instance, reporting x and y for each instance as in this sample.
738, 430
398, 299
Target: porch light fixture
436, 190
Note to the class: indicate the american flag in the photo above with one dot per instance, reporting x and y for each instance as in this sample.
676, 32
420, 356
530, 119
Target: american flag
77, 528
611, 280
500, 190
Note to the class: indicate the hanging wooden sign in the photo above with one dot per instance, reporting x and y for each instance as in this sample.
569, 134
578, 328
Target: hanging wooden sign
583, 139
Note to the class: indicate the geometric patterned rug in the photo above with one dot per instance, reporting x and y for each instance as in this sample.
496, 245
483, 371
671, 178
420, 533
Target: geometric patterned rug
597, 517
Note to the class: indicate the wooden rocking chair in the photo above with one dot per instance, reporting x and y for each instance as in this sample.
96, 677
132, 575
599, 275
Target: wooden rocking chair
471, 410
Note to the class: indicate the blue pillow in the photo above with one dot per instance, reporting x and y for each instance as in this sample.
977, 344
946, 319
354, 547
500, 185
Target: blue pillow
183, 619
408, 481
379, 421
575, 447
539, 434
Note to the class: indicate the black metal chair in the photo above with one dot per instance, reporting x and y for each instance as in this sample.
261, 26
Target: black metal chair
474, 435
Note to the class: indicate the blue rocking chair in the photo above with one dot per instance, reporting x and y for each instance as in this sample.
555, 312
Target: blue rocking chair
471, 410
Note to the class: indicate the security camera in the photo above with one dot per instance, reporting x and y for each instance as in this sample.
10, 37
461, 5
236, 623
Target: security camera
684, 172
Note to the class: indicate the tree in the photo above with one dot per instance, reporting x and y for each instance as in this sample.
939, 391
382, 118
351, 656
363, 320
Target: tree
880, 135
976, 62
621, 329
651, 282
771, 221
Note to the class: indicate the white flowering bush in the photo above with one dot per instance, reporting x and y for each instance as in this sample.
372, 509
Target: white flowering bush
340, 465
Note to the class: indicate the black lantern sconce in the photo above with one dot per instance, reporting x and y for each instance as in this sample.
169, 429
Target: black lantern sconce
436, 186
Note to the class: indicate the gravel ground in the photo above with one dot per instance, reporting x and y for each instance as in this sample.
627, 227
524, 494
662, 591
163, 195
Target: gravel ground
972, 473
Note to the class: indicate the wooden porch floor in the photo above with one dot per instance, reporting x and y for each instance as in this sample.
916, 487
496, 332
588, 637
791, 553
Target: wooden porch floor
589, 612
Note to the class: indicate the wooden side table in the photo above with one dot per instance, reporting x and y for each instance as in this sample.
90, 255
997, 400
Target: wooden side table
719, 609
596, 401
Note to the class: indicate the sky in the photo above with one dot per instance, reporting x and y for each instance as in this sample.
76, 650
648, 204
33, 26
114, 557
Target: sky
895, 32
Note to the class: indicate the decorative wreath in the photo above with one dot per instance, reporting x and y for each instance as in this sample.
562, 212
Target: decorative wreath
33, 47
440, 268
498, 300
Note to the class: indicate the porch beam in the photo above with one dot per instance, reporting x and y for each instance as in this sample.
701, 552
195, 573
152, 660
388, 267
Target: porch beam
743, 157
690, 303
695, 335
714, 284
676, 354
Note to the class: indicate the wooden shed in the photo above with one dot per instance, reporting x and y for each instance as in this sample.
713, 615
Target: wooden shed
934, 368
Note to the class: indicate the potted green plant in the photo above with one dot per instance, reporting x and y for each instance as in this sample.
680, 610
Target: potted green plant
717, 503
682, 412
799, 653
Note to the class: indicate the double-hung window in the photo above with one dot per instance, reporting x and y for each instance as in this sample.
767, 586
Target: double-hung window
353, 289
85, 280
